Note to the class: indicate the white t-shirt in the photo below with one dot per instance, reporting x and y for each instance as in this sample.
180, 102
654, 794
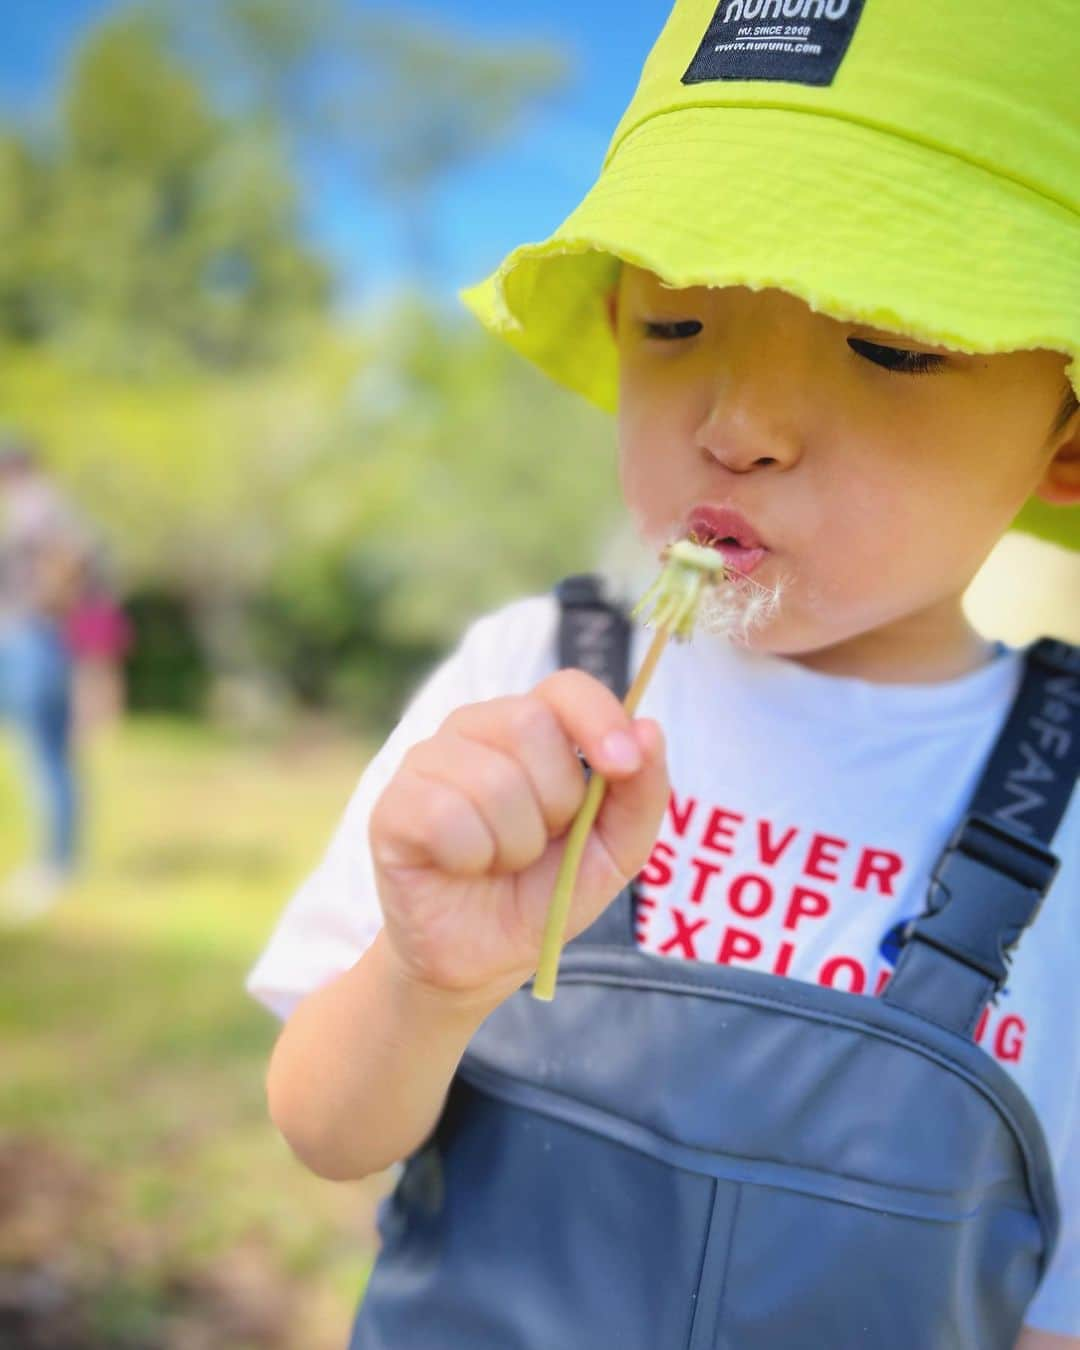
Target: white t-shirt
807, 812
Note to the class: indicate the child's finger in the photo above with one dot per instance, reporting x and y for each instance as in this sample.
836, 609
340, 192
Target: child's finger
527, 728
588, 713
498, 787
420, 821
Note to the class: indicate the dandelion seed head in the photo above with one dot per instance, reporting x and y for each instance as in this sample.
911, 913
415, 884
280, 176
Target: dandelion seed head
731, 605
696, 588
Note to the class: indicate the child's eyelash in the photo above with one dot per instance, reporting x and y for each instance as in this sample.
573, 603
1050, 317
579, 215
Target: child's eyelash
892, 358
668, 330
895, 358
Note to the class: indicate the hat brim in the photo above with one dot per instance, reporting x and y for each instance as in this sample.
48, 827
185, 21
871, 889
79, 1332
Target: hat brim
862, 224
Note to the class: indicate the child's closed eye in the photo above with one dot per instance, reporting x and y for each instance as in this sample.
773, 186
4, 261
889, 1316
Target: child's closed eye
896, 358
891, 358
674, 328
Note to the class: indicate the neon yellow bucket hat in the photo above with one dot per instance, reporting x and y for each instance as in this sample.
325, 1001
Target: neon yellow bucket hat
911, 164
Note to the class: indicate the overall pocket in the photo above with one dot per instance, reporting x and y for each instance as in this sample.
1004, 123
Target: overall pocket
805, 1271
589, 1245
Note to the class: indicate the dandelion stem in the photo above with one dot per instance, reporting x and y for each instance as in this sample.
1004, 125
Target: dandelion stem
559, 909
691, 571
644, 675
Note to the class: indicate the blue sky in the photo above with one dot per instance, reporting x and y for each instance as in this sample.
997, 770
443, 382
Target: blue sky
508, 198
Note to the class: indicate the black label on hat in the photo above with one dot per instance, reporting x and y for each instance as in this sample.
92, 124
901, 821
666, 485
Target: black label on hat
797, 41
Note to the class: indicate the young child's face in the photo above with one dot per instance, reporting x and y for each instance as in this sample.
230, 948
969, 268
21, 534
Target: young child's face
878, 492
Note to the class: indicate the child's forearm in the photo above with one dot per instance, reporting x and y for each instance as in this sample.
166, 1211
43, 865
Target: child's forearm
360, 1071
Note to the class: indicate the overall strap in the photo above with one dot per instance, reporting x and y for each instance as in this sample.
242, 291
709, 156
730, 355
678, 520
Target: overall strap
993, 874
594, 635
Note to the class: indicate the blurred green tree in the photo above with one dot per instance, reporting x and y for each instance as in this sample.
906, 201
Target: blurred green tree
456, 477
25, 274
322, 502
175, 232
396, 100
436, 102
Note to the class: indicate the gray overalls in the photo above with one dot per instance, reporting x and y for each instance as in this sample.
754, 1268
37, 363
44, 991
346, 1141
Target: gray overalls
676, 1155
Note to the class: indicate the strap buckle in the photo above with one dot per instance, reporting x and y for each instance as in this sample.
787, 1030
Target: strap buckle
1000, 878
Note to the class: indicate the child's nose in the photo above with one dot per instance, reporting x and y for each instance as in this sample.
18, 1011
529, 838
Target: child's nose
743, 429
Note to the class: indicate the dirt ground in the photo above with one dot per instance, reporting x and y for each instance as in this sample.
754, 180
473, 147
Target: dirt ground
72, 1278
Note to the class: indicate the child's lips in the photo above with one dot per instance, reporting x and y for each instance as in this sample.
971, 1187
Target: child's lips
742, 560
712, 524
730, 533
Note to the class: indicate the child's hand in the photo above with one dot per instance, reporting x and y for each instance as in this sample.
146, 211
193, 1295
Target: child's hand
467, 836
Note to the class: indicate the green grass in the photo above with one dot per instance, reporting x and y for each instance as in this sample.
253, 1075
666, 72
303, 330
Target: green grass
132, 1052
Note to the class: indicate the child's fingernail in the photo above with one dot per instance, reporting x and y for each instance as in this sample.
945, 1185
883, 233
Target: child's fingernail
621, 751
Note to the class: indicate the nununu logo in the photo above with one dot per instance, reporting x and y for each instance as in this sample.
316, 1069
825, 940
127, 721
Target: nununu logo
785, 9
745, 41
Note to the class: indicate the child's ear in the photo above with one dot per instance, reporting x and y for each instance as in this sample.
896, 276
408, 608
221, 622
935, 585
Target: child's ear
1060, 484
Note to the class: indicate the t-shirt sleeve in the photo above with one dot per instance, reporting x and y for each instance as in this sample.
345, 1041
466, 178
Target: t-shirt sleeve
1056, 1305
333, 917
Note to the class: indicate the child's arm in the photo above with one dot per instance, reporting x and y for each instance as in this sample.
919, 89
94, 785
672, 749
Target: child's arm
361, 1069
466, 841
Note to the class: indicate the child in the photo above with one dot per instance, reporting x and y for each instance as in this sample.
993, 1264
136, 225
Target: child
829, 279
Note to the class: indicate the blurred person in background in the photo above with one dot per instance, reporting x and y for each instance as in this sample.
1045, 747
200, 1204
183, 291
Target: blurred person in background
99, 635
44, 550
